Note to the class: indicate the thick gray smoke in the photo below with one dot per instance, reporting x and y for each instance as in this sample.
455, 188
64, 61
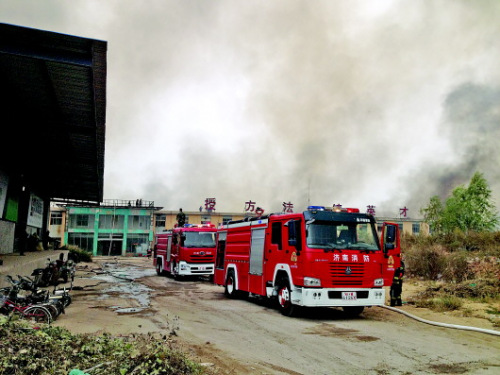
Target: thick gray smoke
472, 126
382, 103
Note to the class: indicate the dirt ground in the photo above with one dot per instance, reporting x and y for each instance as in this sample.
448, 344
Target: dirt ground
251, 337
472, 313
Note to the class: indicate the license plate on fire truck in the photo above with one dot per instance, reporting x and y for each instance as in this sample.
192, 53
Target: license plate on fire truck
351, 296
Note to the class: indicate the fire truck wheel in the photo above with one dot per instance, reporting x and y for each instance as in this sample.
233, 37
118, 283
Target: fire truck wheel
285, 304
230, 288
159, 268
353, 310
175, 271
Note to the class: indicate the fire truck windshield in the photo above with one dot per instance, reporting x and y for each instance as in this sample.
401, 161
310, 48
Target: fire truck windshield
199, 239
330, 235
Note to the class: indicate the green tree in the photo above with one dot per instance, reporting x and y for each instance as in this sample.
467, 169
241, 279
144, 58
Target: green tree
433, 214
467, 209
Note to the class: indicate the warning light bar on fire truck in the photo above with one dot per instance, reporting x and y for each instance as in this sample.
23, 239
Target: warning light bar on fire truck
316, 208
336, 209
352, 210
206, 225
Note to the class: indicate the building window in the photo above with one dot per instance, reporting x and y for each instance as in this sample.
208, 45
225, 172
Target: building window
205, 220
160, 221
139, 222
56, 218
137, 244
84, 241
415, 228
226, 219
81, 221
111, 221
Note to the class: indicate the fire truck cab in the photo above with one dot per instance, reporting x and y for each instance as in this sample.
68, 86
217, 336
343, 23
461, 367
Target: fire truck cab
186, 251
321, 257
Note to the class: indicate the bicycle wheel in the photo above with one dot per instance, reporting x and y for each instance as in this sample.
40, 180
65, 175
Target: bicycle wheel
37, 314
53, 309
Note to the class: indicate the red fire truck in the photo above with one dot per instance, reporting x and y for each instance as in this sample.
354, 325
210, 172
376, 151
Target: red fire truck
185, 251
319, 257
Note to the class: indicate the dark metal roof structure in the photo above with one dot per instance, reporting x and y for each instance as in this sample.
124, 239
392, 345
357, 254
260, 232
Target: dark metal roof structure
53, 106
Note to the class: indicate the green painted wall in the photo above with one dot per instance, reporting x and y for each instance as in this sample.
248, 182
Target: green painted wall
94, 229
12, 208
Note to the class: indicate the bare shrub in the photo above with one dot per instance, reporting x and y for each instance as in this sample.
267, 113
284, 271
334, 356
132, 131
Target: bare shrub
456, 267
428, 262
453, 257
485, 267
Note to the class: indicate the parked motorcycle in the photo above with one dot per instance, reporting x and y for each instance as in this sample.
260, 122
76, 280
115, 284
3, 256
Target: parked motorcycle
47, 276
54, 271
68, 269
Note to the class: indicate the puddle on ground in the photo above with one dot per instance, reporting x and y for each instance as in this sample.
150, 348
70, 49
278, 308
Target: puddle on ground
123, 277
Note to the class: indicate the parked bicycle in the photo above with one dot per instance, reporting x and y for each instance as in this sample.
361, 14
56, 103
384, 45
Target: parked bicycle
35, 313
54, 304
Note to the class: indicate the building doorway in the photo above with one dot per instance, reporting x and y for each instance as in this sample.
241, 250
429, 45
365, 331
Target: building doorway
110, 244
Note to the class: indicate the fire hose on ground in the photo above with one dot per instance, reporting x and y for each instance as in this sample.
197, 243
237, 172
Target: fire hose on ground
445, 325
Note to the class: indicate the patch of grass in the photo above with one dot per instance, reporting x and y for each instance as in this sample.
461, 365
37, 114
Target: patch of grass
493, 311
467, 312
447, 303
495, 322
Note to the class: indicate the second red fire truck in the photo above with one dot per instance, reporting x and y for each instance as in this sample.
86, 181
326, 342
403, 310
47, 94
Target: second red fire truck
185, 251
319, 257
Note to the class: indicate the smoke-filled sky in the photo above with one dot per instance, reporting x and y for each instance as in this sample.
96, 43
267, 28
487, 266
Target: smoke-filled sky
352, 102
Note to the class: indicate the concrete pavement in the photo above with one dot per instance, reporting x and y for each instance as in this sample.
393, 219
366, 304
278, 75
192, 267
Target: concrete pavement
15, 264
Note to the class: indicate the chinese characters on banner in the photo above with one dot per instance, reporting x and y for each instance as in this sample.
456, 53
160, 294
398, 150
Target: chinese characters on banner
403, 211
370, 210
210, 204
250, 207
288, 207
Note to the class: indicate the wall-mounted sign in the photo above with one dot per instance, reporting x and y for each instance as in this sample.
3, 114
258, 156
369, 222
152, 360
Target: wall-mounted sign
4, 183
35, 212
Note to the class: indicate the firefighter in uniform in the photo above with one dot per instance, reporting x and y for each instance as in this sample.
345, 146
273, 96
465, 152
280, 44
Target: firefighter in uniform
181, 218
397, 285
